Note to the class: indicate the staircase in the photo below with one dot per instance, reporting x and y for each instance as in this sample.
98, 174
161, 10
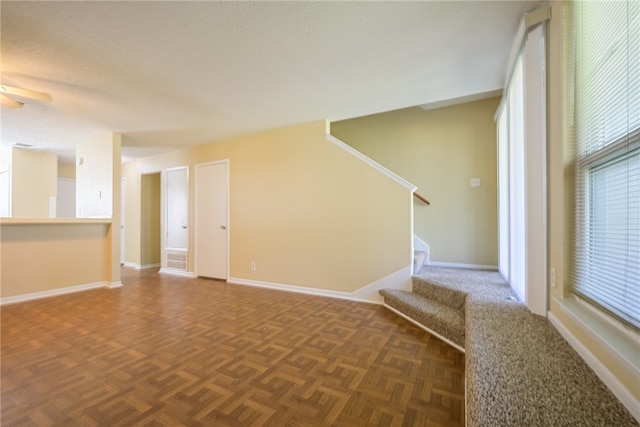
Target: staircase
515, 361
432, 305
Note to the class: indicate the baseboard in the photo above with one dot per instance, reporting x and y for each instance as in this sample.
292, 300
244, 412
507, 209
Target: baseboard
114, 285
145, 266
421, 326
131, 265
138, 266
290, 288
462, 265
400, 280
173, 272
608, 378
53, 292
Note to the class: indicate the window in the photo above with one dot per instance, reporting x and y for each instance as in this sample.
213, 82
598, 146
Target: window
607, 118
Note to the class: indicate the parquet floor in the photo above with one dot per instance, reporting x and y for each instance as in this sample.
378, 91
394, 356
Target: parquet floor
171, 351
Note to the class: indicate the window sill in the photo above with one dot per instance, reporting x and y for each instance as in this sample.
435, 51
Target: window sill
621, 341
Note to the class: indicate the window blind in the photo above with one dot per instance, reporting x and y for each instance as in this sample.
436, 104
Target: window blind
607, 120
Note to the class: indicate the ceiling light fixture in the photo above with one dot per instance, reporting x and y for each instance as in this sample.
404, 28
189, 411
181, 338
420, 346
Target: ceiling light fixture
8, 92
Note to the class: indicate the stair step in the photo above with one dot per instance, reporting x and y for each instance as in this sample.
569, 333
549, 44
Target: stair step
437, 317
419, 260
440, 293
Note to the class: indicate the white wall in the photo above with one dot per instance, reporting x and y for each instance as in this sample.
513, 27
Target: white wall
94, 177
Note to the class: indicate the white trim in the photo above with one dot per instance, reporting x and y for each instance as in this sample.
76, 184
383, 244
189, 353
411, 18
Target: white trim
145, 266
290, 288
617, 388
421, 326
422, 246
462, 265
133, 265
527, 22
174, 272
535, 153
377, 166
186, 251
114, 285
621, 342
400, 280
461, 100
52, 292
164, 209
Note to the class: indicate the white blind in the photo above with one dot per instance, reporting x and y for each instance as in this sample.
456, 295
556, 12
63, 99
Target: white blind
607, 118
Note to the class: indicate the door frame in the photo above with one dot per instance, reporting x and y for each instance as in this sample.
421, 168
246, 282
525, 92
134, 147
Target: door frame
196, 207
164, 215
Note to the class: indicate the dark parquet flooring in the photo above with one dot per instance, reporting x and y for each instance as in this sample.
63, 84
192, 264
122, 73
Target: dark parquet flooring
171, 351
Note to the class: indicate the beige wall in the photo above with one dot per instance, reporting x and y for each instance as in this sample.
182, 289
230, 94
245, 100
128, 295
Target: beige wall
34, 180
98, 190
132, 217
66, 170
150, 249
305, 211
440, 151
44, 257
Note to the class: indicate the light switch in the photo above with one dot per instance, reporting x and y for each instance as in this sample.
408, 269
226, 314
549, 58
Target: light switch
475, 182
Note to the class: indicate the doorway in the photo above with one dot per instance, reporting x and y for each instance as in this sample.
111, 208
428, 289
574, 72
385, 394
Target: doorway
150, 247
212, 214
176, 244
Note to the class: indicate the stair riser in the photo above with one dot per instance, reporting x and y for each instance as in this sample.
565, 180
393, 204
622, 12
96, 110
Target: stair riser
452, 329
449, 297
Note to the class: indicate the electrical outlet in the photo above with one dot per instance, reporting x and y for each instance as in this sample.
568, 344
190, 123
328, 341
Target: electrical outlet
553, 278
253, 266
475, 182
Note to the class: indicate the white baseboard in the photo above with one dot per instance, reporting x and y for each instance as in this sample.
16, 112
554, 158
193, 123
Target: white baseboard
462, 265
421, 326
53, 292
114, 285
173, 272
138, 266
290, 288
617, 388
142, 267
400, 279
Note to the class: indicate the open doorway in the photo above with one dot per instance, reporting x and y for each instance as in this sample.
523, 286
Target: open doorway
150, 246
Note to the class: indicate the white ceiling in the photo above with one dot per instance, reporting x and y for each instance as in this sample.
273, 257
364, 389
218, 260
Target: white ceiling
173, 74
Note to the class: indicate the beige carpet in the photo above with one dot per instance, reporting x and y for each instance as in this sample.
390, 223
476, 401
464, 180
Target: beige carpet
519, 370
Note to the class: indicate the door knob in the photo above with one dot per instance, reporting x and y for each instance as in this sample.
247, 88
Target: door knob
184, 227
223, 227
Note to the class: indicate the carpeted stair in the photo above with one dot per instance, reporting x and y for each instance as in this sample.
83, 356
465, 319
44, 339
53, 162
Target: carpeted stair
439, 309
519, 370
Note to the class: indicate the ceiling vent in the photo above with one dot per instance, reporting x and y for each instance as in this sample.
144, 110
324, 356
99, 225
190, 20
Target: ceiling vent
21, 145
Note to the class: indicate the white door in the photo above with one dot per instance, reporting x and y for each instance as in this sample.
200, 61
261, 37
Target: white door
177, 204
212, 198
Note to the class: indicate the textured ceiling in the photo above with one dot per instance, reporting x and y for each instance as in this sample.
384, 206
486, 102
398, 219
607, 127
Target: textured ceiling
172, 74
